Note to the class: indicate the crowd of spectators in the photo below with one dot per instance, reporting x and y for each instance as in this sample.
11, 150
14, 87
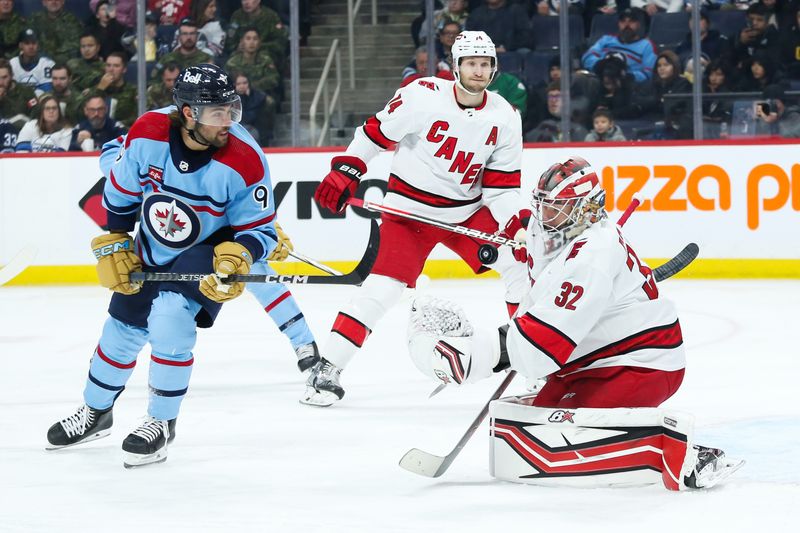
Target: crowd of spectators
83, 61
631, 65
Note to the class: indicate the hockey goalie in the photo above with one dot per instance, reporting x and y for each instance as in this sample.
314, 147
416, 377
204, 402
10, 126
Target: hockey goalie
594, 325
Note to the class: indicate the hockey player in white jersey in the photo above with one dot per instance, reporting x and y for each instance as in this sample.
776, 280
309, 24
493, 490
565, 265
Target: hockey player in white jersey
458, 151
592, 322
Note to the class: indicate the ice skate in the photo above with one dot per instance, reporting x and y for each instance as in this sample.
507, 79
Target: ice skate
85, 425
307, 356
147, 444
323, 388
712, 466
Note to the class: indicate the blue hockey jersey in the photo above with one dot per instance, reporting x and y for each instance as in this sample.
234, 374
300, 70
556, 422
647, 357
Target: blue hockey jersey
185, 196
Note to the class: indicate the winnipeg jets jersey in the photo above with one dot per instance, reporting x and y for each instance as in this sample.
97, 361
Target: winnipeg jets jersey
184, 196
36, 75
595, 304
449, 160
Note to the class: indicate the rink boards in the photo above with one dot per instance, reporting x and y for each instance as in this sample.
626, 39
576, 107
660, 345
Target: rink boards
739, 201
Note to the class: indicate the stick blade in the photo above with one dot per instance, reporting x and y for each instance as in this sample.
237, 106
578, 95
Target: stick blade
18, 263
422, 463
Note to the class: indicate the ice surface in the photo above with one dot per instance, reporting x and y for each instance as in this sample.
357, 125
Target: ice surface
249, 457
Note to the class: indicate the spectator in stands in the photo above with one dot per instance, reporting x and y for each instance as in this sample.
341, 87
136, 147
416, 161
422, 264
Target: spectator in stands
454, 11
651, 7
96, 128
716, 111
152, 47
68, 98
8, 133
210, 30
790, 48
712, 43
51, 132
447, 37
120, 94
551, 8
261, 71
89, 68
688, 69
109, 32
273, 34
418, 68
774, 117
187, 53
549, 130
159, 94
507, 25
258, 109
602, 7
29, 67
618, 89
604, 128
124, 12
674, 112
17, 100
172, 11
637, 52
11, 24
757, 36
758, 73
58, 30
512, 89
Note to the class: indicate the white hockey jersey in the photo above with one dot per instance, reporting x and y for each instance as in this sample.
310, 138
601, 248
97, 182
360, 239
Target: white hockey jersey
595, 304
449, 160
36, 75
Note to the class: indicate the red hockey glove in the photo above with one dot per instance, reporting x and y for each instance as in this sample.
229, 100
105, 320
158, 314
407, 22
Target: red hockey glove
340, 183
516, 229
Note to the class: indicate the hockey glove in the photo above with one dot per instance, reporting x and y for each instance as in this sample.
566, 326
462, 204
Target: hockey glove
115, 261
281, 251
229, 258
341, 182
516, 229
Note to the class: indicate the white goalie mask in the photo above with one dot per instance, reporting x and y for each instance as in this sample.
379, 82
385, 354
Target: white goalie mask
567, 199
472, 44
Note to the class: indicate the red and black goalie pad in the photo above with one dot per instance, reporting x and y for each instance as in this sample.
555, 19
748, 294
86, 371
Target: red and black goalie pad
92, 204
633, 448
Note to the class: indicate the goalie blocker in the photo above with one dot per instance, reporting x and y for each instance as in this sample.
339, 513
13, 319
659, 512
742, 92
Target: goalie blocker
599, 447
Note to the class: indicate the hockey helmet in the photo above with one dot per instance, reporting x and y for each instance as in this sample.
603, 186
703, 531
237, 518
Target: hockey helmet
210, 93
473, 44
567, 199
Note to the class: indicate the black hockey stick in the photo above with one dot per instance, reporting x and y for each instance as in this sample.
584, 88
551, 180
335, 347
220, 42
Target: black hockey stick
355, 277
430, 465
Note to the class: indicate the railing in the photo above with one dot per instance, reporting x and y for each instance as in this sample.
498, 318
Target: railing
352, 12
329, 104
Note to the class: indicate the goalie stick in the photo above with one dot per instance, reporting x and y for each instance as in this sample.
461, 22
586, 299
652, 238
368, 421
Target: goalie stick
355, 277
18, 263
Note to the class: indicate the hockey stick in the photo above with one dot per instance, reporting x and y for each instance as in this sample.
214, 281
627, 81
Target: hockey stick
306, 259
355, 277
18, 263
677, 263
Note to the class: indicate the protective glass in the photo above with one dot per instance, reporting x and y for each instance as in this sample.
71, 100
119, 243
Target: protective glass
218, 115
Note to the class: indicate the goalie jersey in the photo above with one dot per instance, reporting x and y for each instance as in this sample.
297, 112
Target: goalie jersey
185, 196
595, 304
449, 160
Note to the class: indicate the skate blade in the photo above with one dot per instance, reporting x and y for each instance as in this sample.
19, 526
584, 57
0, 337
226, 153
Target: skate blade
317, 398
730, 466
90, 438
135, 460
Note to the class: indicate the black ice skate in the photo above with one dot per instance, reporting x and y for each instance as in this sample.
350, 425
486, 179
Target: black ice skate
147, 444
712, 466
323, 387
307, 356
85, 425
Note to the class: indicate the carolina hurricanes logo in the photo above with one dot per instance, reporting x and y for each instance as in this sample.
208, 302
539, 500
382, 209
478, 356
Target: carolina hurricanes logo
172, 222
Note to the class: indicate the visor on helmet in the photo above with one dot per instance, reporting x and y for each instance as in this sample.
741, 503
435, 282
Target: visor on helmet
218, 115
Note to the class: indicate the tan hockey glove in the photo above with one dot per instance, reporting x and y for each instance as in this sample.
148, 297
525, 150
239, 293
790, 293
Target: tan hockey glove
229, 258
115, 261
281, 251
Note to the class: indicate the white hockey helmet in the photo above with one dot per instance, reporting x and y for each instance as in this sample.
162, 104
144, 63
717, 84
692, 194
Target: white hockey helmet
472, 44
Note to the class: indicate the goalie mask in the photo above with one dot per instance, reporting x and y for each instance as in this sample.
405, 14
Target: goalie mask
567, 199
472, 44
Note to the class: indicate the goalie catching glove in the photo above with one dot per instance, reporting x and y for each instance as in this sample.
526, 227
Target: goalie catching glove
115, 261
341, 182
229, 258
443, 344
281, 251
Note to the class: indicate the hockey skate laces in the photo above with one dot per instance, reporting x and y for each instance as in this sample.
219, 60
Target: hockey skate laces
75, 424
151, 428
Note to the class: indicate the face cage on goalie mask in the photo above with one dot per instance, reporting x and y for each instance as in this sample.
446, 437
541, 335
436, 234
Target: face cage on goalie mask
556, 222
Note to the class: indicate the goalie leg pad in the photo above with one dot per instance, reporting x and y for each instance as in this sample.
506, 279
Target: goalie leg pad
355, 321
589, 447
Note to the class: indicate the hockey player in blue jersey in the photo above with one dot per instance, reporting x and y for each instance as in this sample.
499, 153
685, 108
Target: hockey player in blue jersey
201, 185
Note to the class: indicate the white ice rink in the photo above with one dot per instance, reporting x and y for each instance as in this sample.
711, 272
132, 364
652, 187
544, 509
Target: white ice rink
249, 457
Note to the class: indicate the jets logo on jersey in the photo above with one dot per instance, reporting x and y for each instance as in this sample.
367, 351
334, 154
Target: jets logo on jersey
172, 222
